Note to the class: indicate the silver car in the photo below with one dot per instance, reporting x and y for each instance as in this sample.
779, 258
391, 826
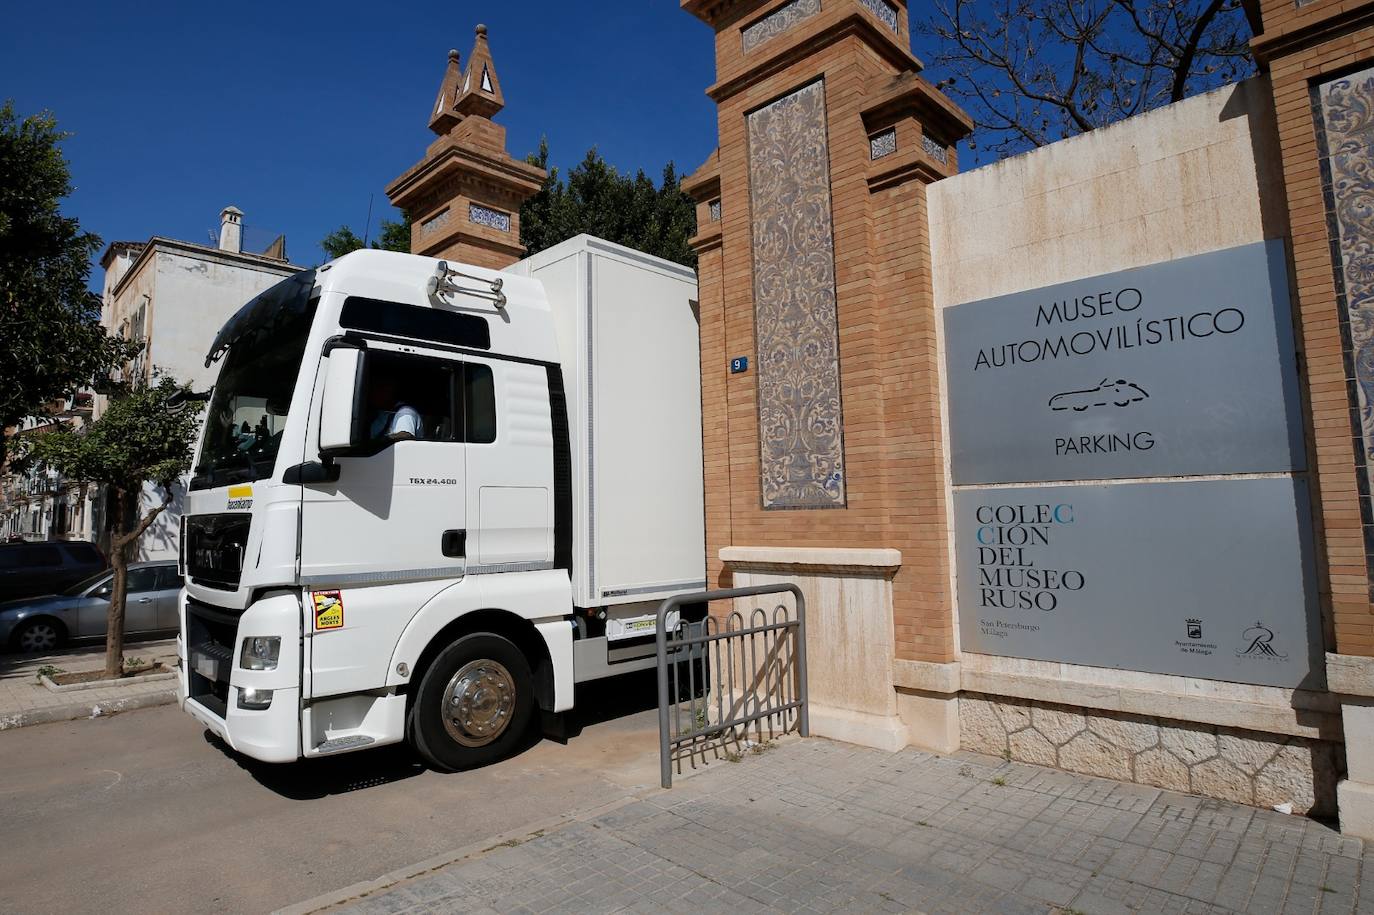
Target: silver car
81, 611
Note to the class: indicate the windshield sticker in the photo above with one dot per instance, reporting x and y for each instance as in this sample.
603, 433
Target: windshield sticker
328, 609
240, 497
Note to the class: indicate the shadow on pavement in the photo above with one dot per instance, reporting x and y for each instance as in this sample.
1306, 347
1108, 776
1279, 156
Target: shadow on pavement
87, 653
312, 779
598, 702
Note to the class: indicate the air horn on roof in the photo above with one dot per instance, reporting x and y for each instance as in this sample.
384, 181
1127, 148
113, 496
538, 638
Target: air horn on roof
445, 282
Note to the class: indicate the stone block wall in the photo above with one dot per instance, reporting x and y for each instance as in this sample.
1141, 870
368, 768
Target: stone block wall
1247, 767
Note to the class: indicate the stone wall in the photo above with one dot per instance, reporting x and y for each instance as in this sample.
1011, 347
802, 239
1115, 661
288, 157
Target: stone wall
1196, 176
1235, 765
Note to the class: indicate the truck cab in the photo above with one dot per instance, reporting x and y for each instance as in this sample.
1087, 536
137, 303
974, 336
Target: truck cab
391, 530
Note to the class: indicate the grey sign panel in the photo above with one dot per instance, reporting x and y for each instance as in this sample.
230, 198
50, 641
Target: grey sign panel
1206, 578
1176, 369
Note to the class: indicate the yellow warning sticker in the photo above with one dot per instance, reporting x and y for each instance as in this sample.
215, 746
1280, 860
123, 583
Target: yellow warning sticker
328, 609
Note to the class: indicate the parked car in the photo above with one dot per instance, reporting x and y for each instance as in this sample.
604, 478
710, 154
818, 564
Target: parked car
81, 611
29, 569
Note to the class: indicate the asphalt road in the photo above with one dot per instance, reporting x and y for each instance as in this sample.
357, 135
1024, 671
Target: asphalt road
146, 811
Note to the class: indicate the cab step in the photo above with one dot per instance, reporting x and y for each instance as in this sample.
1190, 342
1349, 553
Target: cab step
338, 744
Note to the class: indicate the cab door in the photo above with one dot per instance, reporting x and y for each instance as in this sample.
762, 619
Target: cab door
391, 531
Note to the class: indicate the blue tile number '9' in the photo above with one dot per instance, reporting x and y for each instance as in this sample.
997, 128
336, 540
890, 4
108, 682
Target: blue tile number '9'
739, 364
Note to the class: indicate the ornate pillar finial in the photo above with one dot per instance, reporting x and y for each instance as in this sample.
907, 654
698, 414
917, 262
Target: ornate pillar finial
444, 117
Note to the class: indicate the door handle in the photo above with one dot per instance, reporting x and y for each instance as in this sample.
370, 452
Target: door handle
145, 600
455, 544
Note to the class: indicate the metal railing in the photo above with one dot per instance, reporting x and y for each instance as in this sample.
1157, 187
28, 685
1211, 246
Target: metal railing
724, 678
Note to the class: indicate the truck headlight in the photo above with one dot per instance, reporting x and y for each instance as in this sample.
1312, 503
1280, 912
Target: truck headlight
260, 652
255, 700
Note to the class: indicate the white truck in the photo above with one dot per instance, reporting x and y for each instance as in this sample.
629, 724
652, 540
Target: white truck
431, 498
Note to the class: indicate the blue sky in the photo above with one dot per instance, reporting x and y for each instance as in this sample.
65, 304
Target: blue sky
296, 112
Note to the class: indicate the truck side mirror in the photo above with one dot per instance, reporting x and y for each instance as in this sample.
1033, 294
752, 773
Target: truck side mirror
342, 408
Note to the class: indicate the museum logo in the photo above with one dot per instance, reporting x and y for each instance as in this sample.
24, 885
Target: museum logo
1258, 644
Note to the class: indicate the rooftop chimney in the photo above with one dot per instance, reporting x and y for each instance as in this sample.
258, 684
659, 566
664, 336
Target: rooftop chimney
231, 230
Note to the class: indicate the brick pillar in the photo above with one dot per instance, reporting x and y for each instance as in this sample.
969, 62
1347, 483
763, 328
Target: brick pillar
824, 460
1320, 57
464, 197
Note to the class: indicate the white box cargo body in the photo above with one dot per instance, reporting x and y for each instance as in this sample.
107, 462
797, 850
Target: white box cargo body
627, 330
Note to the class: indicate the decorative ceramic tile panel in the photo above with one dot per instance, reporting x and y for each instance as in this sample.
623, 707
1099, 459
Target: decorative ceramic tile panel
801, 438
882, 144
437, 221
935, 149
1344, 117
884, 11
714, 208
778, 21
492, 219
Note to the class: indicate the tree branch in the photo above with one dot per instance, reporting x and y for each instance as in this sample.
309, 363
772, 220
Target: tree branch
1184, 65
120, 542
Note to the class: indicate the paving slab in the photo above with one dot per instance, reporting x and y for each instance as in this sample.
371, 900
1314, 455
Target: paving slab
819, 826
25, 701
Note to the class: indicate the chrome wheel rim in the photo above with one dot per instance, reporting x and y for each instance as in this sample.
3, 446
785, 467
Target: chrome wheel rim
478, 703
38, 637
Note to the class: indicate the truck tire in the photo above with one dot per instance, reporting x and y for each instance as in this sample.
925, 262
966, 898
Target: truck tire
474, 705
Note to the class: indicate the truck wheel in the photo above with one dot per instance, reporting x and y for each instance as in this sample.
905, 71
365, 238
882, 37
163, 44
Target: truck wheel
474, 705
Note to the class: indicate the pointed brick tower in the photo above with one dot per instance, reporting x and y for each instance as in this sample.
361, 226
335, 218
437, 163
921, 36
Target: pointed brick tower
464, 197
444, 118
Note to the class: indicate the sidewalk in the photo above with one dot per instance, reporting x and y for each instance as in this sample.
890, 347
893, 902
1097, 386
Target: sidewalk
818, 826
25, 701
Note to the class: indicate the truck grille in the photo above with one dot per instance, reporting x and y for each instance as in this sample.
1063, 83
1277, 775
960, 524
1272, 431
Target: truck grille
215, 546
211, 634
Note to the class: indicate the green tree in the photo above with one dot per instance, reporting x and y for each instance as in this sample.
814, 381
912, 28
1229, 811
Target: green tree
145, 435
394, 236
595, 199
598, 200
51, 341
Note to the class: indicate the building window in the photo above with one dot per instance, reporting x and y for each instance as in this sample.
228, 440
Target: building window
935, 149
777, 22
714, 209
437, 221
883, 143
492, 219
884, 11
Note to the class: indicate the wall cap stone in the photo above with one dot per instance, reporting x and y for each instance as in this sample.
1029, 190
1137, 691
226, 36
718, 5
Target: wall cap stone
837, 559
927, 676
1297, 713
1349, 675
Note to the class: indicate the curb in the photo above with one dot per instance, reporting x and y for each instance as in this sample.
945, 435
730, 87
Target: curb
53, 687
75, 710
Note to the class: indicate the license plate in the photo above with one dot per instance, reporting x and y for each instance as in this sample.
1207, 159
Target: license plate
206, 666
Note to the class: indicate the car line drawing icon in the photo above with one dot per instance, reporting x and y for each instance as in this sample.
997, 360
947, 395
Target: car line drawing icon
1119, 393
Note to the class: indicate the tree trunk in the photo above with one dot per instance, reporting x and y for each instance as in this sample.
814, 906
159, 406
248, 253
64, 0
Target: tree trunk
114, 627
119, 561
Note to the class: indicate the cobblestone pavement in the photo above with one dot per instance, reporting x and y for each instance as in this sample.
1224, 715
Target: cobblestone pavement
23, 700
817, 826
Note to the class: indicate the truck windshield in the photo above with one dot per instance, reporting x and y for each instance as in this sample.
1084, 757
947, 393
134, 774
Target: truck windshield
247, 414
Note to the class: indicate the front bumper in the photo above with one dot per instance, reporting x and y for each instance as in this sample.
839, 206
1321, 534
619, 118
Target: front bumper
210, 679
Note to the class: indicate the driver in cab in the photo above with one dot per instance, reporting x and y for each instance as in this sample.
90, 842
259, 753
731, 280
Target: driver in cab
392, 418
